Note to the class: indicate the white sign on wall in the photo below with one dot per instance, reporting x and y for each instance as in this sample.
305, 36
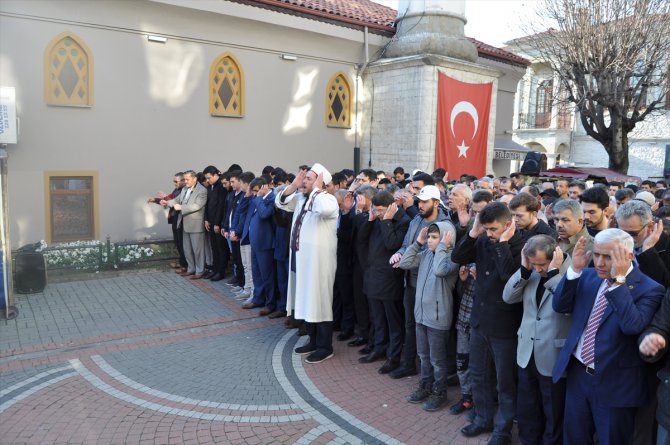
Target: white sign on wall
8, 130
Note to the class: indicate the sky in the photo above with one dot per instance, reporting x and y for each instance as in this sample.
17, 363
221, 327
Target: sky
491, 21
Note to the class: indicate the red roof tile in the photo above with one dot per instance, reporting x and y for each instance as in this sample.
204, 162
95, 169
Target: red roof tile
372, 15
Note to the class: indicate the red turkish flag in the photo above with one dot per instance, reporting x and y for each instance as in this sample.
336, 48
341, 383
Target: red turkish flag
462, 126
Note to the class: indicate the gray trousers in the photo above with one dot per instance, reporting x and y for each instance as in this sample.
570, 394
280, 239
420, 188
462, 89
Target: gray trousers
463, 360
194, 251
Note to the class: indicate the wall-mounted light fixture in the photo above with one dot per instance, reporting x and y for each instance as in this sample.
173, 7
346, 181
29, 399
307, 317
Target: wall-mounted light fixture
157, 39
289, 57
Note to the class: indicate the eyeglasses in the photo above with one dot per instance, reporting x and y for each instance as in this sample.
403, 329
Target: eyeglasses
634, 234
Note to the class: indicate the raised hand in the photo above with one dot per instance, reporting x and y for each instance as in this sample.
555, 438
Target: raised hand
463, 215
318, 182
299, 178
557, 260
348, 202
161, 195
448, 238
509, 232
372, 215
423, 234
580, 257
652, 343
620, 261
653, 235
391, 211
525, 262
477, 229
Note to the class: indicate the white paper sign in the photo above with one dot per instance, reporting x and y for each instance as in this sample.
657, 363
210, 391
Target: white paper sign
8, 133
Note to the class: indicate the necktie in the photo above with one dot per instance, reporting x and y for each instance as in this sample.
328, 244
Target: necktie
589, 345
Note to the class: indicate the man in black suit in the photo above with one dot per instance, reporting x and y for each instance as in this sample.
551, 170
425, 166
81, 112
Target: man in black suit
495, 245
213, 215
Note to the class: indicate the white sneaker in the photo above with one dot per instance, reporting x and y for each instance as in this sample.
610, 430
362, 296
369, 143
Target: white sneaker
249, 300
244, 296
237, 289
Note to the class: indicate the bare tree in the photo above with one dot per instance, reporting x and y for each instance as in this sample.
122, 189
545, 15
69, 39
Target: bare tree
611, 58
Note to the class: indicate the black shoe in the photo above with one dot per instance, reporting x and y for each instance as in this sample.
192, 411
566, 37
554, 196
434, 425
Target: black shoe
465, 404
345, 335
318, 357
302, 330
305, 349
366, 350
214, 277
388, 366
208, 275
499, 440
435, 401
372, 357
233, 282
473, 430
419, 395
402, 372
452, 380
358, 341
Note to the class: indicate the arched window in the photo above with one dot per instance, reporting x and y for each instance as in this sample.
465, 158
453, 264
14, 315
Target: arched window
338, 101
226, 87
68, 71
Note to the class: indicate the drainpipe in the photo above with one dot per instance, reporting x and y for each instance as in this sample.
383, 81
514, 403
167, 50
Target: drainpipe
361, 69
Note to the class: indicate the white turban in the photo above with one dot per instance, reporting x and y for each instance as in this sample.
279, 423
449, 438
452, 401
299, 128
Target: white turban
320, 169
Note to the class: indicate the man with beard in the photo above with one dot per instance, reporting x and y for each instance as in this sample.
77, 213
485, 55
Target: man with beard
495, 245
569, 219
524, 208
595, 204
383, 233
429, 213
313, 258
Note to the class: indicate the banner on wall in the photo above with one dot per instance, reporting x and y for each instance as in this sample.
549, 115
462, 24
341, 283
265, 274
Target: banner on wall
462, 126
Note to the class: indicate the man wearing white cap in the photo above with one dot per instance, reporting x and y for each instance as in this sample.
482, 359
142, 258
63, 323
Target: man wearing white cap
313, 253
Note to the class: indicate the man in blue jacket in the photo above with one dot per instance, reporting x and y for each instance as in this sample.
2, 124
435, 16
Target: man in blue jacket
610, 304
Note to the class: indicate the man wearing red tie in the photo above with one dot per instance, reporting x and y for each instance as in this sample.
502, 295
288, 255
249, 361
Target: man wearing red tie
611, 304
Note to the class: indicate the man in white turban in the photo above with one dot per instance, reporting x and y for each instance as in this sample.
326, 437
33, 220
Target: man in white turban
313, 258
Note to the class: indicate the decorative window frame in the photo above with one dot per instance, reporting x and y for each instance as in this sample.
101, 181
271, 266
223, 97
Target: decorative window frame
95, 184
213, 87
347, 102
51, 85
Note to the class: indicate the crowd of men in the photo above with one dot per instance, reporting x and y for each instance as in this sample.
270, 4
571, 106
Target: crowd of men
545, 301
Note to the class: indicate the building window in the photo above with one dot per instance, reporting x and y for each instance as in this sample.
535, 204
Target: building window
338, 102
543, 103
71, 206
226, 87
68, 72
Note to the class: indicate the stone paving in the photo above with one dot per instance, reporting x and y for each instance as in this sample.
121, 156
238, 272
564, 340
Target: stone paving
154, 358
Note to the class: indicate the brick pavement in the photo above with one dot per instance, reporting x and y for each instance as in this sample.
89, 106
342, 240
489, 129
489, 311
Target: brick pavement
157, 359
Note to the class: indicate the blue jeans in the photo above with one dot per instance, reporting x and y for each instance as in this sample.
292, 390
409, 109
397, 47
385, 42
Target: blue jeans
463, 361
431, 344
493, 359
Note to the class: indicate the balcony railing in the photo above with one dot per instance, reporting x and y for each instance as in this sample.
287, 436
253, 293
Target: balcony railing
532, 121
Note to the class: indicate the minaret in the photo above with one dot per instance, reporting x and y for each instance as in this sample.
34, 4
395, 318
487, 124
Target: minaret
431, 27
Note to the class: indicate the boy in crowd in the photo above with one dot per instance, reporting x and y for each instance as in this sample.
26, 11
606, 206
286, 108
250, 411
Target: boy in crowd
433, 309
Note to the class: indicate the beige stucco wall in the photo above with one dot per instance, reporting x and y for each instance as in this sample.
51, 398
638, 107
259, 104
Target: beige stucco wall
150, 116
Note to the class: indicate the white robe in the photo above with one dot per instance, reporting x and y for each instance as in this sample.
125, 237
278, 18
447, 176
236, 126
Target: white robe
310, 288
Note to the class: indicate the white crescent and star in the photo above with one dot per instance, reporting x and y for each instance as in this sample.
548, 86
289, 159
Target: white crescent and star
464, 107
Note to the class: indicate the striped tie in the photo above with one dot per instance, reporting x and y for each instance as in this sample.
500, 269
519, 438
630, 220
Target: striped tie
588, 347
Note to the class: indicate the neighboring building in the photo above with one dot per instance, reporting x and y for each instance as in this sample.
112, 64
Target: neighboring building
545, 122
115, 96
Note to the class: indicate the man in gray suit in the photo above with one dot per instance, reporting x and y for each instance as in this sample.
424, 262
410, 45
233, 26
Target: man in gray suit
542, 334
191, 202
